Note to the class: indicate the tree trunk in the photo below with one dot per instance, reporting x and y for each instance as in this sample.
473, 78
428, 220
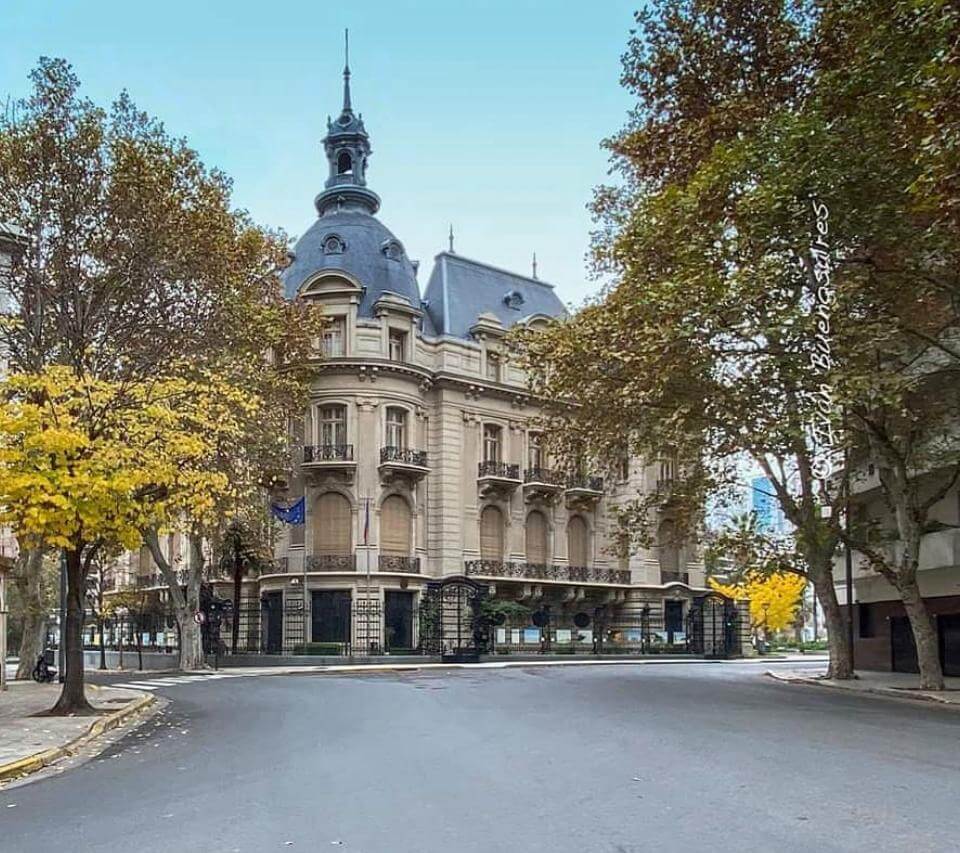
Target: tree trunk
191, 645
925, 636
838, 645
73, 699
29, 581
103, 648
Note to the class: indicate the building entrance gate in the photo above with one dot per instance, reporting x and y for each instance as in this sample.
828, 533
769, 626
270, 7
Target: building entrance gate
451, 621
713, 626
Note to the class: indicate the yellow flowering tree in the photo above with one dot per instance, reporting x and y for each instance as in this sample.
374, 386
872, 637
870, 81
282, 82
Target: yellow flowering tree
87, 464
774, 598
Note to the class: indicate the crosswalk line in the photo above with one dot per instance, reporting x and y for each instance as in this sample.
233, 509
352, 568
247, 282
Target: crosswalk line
136, 685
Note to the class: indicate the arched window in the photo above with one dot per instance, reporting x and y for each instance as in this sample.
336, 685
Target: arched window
396, 427
344, 163
536, 536
395, 524
491, 534
332, 522
577, 551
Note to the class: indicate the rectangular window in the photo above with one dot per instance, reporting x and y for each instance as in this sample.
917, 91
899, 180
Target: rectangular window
535, 450
333, 426
332, 338
396, 428
397, 346
493, 367
491, 443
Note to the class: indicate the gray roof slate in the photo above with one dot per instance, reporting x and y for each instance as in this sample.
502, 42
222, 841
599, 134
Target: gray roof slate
461, 289
363, 257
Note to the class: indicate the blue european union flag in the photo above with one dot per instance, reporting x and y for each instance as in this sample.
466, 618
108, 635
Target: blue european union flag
293, 514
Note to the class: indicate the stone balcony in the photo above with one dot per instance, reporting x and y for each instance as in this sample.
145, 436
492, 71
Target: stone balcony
542, 483
404, 463
530, 571
497, 477
583, 490
333, 459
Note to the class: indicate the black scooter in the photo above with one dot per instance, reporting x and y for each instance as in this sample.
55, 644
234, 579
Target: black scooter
42, 673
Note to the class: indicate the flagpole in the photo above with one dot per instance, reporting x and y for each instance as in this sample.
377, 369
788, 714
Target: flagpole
366, 542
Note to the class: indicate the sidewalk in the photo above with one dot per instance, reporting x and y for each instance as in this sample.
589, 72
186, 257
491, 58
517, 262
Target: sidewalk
29, 742
902, 685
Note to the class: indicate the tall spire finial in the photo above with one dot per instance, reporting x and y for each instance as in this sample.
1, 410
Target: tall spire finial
451, 238
346, 72
534, 264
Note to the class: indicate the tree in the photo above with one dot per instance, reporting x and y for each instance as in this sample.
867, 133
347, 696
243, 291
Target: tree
86, 465
135, 271
774, 598
242, 552
703, 343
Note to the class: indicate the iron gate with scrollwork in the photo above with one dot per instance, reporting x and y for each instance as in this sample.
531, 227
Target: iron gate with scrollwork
713, 626
451, 619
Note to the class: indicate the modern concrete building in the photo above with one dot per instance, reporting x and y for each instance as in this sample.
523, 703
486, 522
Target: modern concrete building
882, 636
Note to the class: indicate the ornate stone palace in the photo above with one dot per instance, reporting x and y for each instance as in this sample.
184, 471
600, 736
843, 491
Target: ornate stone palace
420, 458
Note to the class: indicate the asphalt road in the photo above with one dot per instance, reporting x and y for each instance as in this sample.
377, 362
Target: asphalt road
645, 758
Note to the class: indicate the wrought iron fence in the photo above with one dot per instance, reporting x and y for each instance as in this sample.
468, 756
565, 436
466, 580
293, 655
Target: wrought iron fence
327, 453
403, 456
406, 565
580, 574
501, 470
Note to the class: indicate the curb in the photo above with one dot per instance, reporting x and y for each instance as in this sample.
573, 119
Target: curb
888, 692
39, 760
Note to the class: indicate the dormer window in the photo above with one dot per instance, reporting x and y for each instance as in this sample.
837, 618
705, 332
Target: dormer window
514, 299
333, 245
392, 249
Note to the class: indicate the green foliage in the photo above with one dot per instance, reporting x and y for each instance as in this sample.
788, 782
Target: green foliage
326, 649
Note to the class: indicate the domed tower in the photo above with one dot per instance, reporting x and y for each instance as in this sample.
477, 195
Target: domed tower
347, 239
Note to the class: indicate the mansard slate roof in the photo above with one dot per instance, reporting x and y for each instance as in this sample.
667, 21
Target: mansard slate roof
461, 289
369, 252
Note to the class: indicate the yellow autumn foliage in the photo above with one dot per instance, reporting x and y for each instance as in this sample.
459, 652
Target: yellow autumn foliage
86, 460
774, 598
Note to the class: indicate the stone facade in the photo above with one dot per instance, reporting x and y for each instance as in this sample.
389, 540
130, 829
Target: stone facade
420, 453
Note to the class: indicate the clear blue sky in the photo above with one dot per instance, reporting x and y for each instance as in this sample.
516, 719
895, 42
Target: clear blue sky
487, 114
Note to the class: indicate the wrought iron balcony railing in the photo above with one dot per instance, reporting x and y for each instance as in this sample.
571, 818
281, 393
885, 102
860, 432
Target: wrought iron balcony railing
585, 483
403, 456
499, 470
331, 563
543, 475
674, 577
405, 565
533, 571
327, 453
